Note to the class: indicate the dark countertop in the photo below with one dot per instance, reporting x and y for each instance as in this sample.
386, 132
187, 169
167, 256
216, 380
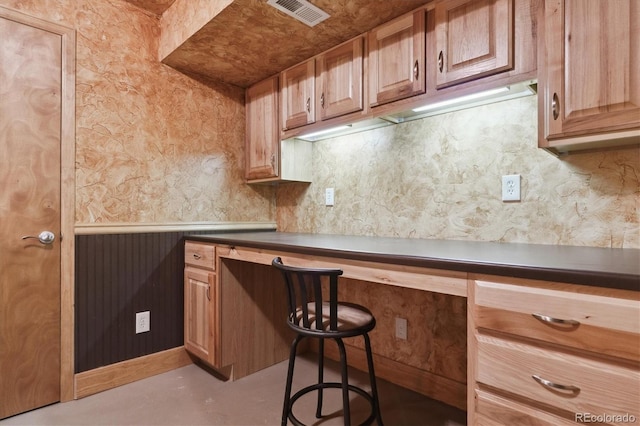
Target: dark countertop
602, 267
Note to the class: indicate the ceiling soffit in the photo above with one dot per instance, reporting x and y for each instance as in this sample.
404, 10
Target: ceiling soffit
249, 40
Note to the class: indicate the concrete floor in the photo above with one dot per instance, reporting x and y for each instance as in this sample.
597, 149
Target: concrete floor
191, 396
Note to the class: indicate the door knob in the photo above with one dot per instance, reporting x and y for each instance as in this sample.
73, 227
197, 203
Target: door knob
45, 237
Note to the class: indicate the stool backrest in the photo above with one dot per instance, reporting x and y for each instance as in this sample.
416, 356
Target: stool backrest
304, 286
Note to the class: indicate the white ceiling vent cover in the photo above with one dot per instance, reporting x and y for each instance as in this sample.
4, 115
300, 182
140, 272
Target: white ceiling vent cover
302, 10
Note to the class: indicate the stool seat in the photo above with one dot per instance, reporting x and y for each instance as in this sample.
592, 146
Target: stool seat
351, 317
315, 312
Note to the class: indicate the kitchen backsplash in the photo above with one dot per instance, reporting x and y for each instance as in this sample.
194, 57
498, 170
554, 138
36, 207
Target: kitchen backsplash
440, 177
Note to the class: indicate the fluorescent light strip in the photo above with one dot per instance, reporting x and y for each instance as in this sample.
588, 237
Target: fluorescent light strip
462, 99
324, 132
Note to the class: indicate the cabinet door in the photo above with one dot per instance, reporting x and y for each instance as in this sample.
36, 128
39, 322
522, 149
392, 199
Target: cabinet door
340, 72
263, 135
199, 303
592, 67
397, 59
298, 95
474, 38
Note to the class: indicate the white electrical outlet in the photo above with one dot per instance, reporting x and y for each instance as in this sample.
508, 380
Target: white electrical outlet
511, 188
328, 197
143, 322
401, 328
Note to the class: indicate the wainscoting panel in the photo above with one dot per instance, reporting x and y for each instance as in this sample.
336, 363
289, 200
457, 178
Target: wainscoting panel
118, 275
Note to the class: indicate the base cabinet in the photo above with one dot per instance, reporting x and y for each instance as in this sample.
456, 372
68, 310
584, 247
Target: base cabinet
546, 353
201, 324
231, 309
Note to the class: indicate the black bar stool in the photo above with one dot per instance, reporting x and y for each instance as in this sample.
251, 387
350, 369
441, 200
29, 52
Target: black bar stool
312, 315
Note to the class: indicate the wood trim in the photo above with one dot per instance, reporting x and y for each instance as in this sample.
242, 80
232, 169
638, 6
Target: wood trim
67, 190
435, 280
121, 373
135, 228
472, 361
437, 387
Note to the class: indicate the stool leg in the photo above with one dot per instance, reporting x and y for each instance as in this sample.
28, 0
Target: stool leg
345, 383
287, 393
372, 379
320, 377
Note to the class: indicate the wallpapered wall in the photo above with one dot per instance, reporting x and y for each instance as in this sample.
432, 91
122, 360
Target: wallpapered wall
440, 177
152, 145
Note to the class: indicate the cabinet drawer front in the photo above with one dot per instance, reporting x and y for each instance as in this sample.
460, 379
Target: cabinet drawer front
493, 410
600, 388
200, 255
607, 325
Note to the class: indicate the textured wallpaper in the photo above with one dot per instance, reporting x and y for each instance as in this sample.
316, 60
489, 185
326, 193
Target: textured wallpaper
440, 178
152, 145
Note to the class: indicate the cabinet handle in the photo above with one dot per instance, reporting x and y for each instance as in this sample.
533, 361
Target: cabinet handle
440, 61
555, 106
416, 70
557, 386
553, 320
273, 161
322, 100
208, 292
197, 256
309, 105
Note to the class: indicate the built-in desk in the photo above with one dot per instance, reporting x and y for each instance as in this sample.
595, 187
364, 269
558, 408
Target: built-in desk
252, 333
602, 267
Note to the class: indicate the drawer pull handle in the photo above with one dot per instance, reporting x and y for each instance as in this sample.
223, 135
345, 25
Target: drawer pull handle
557, 386
553, 320
197, 256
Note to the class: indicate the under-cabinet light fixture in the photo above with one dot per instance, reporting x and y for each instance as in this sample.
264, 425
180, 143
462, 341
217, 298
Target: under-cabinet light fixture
324, 132
462, 99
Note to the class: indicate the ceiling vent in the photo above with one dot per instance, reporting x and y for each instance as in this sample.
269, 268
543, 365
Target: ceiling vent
302, 10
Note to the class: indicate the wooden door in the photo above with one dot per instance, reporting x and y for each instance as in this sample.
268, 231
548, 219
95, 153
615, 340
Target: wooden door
340, 72
397, 59
474, 38
263, 135
591, 72
31, 111
298, 95
199, 299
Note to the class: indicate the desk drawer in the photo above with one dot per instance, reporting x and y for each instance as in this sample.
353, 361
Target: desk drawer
200, 255
600, 388
494, 410
593, 322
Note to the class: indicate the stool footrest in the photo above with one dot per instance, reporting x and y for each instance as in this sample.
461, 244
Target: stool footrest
330, 385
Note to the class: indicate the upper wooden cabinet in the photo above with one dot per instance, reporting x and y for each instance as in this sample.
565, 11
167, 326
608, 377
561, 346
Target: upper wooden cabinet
263, 134
474, 38
340, 79
298, 95
397, 59
268, 158
589, 74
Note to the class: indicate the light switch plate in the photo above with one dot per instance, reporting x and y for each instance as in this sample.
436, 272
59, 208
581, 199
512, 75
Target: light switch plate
329, 197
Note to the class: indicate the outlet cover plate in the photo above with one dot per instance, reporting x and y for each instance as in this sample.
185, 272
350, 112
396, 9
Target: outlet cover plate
511, 188
143, 322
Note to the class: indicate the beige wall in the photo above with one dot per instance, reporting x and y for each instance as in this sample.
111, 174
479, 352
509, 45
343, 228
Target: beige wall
440, 177
155, 146
152, 145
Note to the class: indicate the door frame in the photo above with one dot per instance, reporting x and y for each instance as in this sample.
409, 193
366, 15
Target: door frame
67, 191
